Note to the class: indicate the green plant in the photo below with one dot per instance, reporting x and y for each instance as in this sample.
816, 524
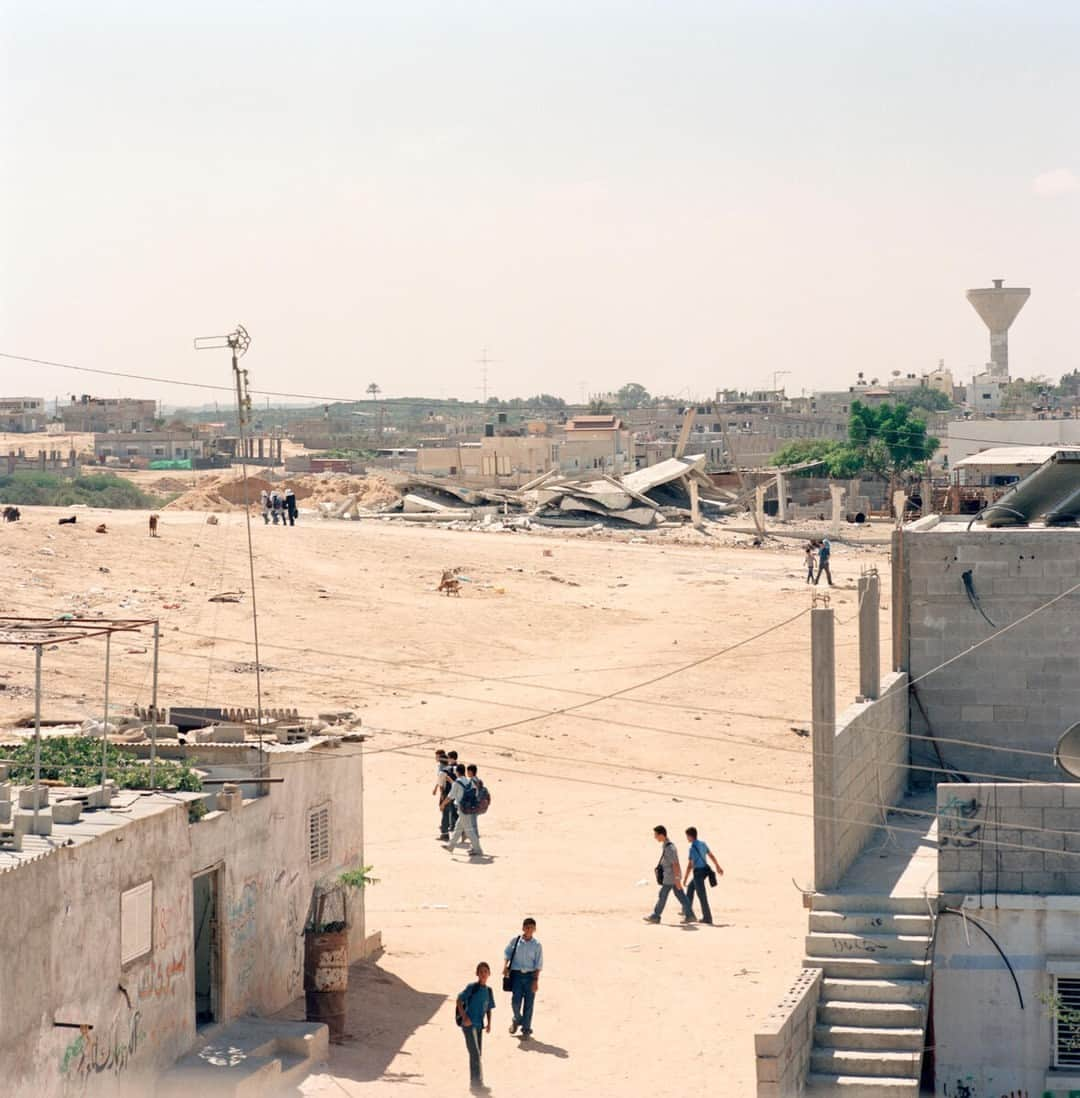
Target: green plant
39, 489
358, 878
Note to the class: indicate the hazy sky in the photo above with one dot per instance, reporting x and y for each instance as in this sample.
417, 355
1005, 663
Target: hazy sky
690, 195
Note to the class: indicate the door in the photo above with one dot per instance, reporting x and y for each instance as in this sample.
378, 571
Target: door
206, 893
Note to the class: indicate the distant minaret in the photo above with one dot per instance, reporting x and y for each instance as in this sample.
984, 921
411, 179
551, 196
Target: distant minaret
998, 308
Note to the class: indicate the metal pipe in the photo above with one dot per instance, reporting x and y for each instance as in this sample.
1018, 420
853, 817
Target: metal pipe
153, 703
105, 726
37, 732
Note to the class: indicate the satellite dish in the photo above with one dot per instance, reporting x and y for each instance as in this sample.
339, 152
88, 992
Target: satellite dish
1067, 752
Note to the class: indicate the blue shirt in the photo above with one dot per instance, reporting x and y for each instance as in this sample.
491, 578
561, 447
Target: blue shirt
698, 850
529, 956
477, 1000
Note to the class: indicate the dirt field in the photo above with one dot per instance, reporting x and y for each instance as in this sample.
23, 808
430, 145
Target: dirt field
350, 618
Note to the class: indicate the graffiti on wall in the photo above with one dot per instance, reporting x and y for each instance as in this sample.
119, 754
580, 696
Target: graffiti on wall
956, 828
243, 931
159, 980
91, 1054
967, 1088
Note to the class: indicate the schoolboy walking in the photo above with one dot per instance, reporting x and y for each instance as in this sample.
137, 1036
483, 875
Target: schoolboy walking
473, 1008
668, 878
524, 959
696, 863
466, 822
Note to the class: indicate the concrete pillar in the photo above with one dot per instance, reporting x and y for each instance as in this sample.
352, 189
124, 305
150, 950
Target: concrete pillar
898, 568
759, 508
837, 493
899, 505
781, 498
823, 693
262, 443
927, 492
695, 504
869, 636
41, 459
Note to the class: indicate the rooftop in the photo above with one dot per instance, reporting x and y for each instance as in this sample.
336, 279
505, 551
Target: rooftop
1010, 455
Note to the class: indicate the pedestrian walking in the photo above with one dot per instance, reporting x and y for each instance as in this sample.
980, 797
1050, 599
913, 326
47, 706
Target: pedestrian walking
808, 553
440, 791
466, 821
264, 501
275, 506
668, 878
473, 1013
446, 805
290, 506
524, 960
824, 553
697, 864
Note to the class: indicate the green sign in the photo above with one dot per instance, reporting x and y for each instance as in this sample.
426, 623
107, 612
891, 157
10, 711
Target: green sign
178, 463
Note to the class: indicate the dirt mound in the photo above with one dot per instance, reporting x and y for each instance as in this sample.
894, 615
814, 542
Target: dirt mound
220, 493
226, 492
166, 486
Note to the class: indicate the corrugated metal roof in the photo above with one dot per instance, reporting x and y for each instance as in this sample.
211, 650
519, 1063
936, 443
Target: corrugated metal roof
1011, 455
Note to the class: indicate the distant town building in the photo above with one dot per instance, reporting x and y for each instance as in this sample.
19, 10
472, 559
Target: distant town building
148, 446
22, 414
101, 414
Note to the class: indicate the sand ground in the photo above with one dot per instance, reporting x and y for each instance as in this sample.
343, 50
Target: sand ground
350, 618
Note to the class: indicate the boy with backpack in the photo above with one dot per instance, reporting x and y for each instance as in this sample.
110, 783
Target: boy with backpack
446, 764
473, 1008
466, 799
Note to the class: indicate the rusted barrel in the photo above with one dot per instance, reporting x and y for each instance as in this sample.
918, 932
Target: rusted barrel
326, 978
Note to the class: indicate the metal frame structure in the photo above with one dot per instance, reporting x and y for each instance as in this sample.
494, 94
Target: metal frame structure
39, 633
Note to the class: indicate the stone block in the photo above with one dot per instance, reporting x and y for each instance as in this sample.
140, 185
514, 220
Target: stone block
29, 798
99, 796
1006, 795
1042, 796
44, 822
67, 812
1072, 882
770, 1090
1045, 883
1061, 861
5, 792
958, 882
1062, 819
5, 812
1003, 882
1044, 840
4, 772
1010, 713
1021, 861
767, 1044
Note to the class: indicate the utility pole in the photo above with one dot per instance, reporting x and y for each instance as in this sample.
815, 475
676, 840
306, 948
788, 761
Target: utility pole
484, 362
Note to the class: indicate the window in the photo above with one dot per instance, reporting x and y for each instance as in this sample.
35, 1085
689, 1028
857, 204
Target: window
1066, 1014
319, 834
136, 922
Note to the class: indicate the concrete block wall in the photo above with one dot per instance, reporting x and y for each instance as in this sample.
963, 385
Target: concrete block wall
868, 772
786, 1038
1021, 689
1011, 838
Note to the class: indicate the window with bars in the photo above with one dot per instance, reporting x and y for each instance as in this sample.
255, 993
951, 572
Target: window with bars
319, 834
1066, 1021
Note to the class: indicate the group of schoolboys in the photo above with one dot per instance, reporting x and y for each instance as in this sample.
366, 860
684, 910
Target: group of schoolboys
452, 783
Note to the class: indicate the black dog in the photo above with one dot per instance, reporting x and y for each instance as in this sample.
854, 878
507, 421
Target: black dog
68, 521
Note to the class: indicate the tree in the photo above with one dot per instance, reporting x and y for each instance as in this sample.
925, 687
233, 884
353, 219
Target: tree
548, 402
840, 460
599, 407
633, 395
932, 400
888, 439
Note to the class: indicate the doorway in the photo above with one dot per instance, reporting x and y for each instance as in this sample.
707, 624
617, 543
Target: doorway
206, 894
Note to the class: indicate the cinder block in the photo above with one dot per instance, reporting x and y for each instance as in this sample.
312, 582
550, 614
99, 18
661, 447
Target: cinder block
1056, 861
1072, 882
1045, 882
4, 772
5, 792
767, 1044
29, 798
1042, 796
5, 812
1021, 861
1063, 819
1003, 882
1010, 713
979, 714
768, 1069
67, 812
958, 882
44, 822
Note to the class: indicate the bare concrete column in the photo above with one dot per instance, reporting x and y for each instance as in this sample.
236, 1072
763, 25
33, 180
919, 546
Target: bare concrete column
262, 443
695, 504
837, 493
823, 691
898, 567
759, 507
781, 498
927, 492
869, 636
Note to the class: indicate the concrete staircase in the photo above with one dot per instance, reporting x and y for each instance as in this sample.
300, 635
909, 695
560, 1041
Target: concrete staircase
248, 1058
871, 1021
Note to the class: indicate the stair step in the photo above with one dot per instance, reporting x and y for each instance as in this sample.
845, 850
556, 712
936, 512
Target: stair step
874, 990
870, 922
872, 968
839, 944
872, 1038
853, 1012
833, 1085
844, 1061
872, 901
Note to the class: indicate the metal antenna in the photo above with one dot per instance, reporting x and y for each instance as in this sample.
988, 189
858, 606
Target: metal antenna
485, 362
238, 342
